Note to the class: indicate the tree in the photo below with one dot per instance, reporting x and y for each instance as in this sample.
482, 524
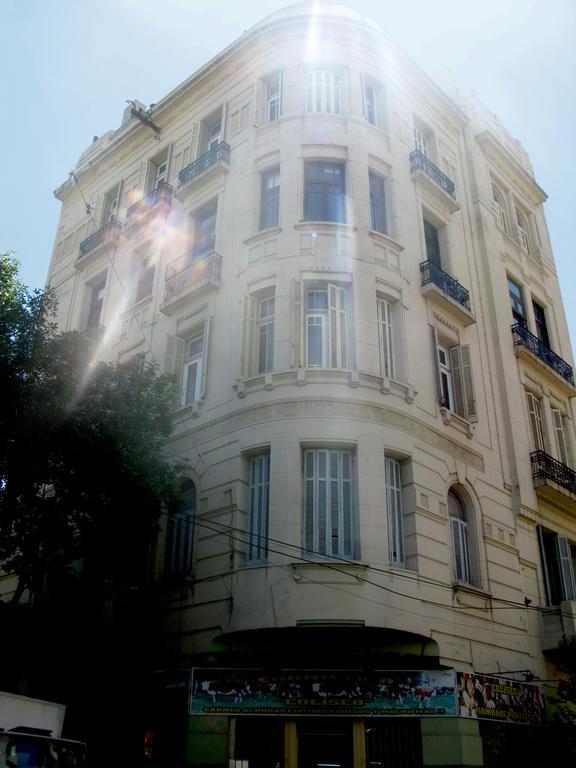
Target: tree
82, 475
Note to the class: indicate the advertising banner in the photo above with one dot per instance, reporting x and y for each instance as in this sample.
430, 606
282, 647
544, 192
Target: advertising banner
495, 698
415, 693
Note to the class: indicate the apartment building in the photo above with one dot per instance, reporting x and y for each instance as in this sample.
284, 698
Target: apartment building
349, 271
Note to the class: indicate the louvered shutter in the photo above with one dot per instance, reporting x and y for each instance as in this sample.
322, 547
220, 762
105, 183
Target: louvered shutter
467, 384
296, 324
346, 546
309, 501
394, 511
439, 392
566, 568
247, 354
205, 351
457, 384
337, 327
174, 361
535, 421
560, 438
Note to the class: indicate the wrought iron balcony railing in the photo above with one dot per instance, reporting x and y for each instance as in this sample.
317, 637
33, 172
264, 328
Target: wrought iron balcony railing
105, 234
419, 162
161, 195
220, 152
431, 273
546, 467
523, 338
191, 271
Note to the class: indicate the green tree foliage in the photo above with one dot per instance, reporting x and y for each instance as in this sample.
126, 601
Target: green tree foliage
82, 473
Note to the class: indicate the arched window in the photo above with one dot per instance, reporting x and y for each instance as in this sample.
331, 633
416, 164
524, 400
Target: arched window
463, 539
500, 207
178, 549
523, 230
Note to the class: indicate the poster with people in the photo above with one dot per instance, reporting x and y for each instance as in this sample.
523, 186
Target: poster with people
416, 693
496, 698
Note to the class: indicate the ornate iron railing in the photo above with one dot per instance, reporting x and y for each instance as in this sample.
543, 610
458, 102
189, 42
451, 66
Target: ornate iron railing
105, 234
191, 271
219, 152
431, 273
419, 162
523, 338
547, 467
162, 194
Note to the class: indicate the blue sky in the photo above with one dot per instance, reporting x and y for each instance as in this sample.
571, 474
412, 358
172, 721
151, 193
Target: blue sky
69, 66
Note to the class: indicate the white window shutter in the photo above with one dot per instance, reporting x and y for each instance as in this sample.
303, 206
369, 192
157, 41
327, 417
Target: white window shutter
338, 343
297, 324
280, 96
247, 354
566, 568
363, 86
457, 384
535, 422
561, 451
394, 511
544, 561
439, 392
468, 384
205, 349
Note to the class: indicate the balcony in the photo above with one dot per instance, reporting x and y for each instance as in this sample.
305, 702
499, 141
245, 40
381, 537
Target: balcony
554, 481
157, 201
433, 180
105, 237
441, 288
216, 159
530, 346
190, 274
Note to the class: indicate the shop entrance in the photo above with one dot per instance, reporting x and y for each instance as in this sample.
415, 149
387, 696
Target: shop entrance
331, 742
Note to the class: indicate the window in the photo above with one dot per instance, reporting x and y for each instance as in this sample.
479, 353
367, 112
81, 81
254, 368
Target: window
146, 271
187, 358
455, 385
421, 141
326, 314
179, 526
324, 192
157, 172
523, 231
377, 203
559, 436
274, 97
259, 492
517, 302
540, 322
192, 370
110, 205
460, 540
329, 502
213, 132
97, 290
204, 231
535, 417
265, 330
270, 199
394, 511
323, 92
558, 563
369, 100
500, 207
432, 242
386, 337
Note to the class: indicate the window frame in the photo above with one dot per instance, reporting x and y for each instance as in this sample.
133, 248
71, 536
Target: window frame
146, 276
334, 321
386, 336
537, 431
269, 199
557, 556
378, 211
258, 507
460, 537
191, 362
265, 328
323, 92
523, 227
330, 489
455, 380
327, 190
559, 435
179, 536
96, 305
500, 205
395, 511
273, 103
517, 302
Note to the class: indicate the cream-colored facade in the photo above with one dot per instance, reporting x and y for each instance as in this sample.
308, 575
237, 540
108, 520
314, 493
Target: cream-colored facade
325, 253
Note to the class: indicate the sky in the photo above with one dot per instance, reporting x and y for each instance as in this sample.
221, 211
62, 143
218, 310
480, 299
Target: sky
69, 66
